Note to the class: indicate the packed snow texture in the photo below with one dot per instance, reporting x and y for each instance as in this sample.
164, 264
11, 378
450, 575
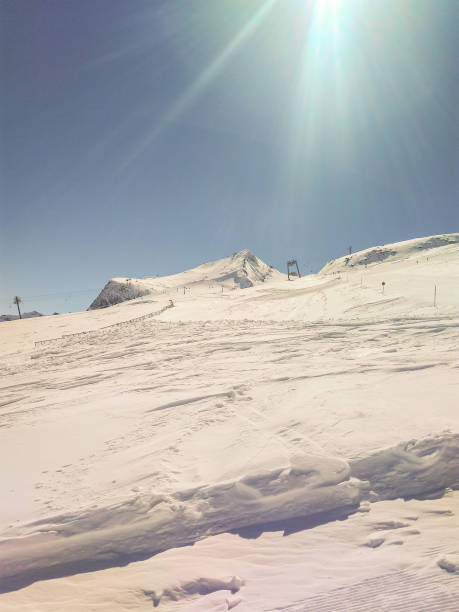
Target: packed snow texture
133, 430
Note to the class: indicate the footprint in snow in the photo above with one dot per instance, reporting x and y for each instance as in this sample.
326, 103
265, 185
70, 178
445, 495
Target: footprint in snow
450, 563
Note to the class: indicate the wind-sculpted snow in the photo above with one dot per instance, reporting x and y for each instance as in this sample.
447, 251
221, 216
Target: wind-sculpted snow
143, 526
201, 586
412, 468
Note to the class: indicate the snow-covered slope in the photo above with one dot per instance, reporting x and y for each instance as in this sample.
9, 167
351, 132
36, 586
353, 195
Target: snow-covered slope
246, 422
418, 248
240, 271
420, 279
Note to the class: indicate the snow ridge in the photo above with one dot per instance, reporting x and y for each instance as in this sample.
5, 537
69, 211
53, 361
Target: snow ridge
310, 486
389, 252
148, 525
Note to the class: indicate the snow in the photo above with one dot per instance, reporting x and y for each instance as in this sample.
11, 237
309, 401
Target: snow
326, 567
393, 252
240, 271
286, 429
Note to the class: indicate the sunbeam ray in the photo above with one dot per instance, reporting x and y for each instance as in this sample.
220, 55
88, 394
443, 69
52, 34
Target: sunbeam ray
203, 81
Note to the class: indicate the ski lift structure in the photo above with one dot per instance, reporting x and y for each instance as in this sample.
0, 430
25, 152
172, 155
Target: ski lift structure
291, 272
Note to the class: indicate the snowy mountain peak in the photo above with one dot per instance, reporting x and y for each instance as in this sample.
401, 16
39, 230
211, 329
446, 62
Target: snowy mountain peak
240, 271
246, 254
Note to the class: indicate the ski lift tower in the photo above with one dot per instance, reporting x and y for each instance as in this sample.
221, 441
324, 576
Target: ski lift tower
291, 265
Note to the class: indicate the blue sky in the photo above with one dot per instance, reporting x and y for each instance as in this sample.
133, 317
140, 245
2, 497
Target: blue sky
146, 137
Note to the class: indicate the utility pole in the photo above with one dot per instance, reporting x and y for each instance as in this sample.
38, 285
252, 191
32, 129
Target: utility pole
17, 301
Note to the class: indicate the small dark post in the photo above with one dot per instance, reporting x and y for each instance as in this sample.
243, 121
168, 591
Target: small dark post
17, 301
350, 250
383, 285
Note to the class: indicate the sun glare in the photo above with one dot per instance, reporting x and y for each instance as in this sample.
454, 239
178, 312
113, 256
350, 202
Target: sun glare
206, 77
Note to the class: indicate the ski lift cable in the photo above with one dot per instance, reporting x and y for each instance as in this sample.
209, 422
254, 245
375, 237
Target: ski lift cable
66, 293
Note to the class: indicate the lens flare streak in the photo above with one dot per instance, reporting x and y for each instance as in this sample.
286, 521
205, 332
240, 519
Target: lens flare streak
203, 81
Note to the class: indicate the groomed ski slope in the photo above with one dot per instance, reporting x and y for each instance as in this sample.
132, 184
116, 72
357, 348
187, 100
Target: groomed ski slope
132, 430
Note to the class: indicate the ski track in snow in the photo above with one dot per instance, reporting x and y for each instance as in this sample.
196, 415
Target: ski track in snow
404, 591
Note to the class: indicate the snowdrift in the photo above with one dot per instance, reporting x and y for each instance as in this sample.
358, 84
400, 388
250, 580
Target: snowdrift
148, 525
